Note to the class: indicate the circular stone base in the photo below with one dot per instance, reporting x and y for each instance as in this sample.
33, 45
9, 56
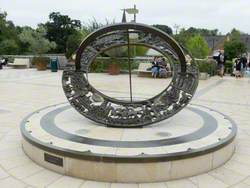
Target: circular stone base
194, 141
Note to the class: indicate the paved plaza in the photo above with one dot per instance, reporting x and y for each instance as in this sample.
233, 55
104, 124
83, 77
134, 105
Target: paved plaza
27, 90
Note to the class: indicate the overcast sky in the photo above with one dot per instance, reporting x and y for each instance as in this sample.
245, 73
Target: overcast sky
211, 14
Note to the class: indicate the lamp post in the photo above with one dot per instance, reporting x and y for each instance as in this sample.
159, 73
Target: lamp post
176, 27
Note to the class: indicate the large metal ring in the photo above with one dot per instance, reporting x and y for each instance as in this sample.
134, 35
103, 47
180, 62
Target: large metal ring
118, 113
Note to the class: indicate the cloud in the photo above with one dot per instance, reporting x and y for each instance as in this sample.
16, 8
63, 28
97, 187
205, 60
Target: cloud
223, 14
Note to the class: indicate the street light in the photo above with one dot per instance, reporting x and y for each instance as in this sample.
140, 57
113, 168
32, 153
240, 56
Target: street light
176, 27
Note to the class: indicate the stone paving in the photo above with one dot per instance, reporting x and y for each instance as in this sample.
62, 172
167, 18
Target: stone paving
24, 91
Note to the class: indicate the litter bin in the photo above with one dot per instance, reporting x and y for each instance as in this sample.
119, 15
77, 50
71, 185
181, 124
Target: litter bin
54, 64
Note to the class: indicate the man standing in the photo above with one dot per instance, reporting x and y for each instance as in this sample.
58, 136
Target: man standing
221, 60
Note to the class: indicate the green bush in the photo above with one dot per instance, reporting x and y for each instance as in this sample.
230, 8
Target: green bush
229, 67
207, 65
198, 46
40, 60
98, 66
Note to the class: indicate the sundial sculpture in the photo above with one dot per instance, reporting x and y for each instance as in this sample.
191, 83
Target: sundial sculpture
103, 109
157, 153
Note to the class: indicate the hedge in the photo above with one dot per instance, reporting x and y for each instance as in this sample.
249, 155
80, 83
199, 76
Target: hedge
101, 65
207, 65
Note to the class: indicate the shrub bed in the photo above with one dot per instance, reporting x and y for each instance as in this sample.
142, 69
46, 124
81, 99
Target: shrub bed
229, 67
41, 62
207, 65
40, 59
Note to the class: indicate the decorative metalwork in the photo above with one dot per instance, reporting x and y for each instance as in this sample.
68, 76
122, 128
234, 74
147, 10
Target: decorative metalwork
118, 113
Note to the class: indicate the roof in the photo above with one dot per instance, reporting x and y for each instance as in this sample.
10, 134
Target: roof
217, 42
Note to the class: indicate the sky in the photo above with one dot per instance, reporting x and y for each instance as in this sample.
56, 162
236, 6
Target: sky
211, 14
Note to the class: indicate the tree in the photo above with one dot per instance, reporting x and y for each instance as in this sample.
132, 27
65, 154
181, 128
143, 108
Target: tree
234, 47
186, 34
9, 46
235, 35
164, 28
202, 31
59, 29
183, 37
74, 41
198, 47
9, 41
36, 40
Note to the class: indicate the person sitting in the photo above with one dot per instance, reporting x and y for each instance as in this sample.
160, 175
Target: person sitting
3, 61
162, 68
155, 67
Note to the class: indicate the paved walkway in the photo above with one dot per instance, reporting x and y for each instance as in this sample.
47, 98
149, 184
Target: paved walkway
24, 91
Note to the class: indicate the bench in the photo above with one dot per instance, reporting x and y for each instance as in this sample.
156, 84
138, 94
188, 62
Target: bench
144, 70
20, 63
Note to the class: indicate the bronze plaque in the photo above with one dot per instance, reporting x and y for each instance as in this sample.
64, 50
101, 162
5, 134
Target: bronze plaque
53, 159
